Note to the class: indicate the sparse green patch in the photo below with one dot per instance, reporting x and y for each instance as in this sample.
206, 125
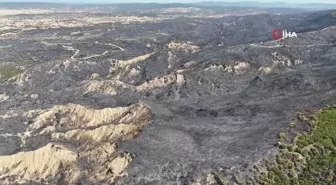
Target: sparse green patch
282, 136
8, 71
121, 43
311, 158
292, 124
333, 14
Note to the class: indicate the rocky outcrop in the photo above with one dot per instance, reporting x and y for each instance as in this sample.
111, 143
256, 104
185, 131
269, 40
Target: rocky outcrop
186, 47
124, 63
39, 163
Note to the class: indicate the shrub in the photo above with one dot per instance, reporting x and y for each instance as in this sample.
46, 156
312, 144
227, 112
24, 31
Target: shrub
282, 146
290, 148
292, 124
282, 136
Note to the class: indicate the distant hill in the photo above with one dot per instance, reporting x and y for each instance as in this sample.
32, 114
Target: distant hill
267, 5
146, 6
33, 5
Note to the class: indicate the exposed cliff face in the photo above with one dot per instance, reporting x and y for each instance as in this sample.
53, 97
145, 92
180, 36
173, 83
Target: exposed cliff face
39, 163
82, 144
56, 163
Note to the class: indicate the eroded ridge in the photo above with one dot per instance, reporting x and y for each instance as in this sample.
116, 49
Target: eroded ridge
82, 145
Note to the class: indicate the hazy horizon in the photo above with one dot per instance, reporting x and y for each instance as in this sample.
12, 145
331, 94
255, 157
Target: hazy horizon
169, 1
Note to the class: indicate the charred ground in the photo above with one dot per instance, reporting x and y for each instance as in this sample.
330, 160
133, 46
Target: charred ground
156, 100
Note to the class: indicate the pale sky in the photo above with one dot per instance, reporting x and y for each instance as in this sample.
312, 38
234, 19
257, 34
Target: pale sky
165, 1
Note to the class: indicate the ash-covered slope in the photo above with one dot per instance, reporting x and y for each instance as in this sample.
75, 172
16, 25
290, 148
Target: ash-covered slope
237, 30
158, 103
232, 103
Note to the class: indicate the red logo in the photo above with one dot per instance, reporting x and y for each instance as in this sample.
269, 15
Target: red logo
277, 34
